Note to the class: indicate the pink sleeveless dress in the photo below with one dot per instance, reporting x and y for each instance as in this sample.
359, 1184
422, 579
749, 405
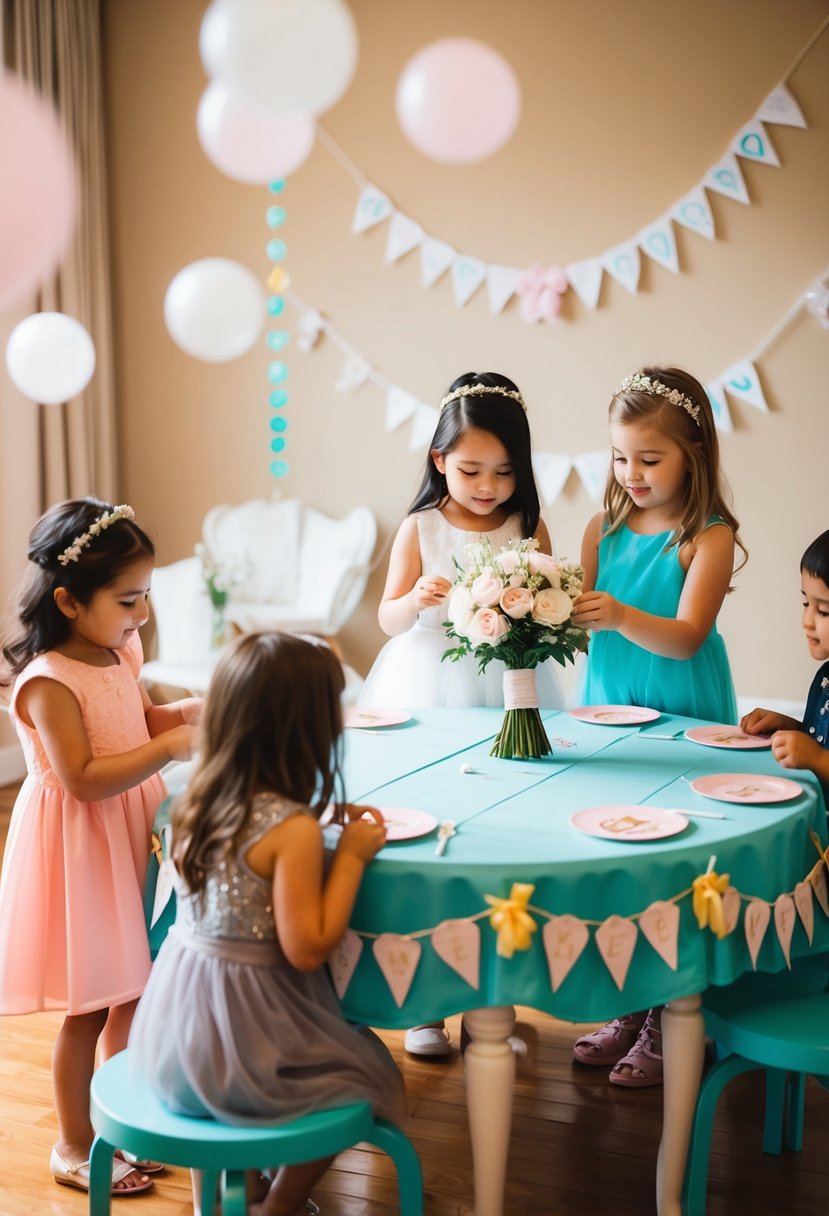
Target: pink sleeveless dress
72, 929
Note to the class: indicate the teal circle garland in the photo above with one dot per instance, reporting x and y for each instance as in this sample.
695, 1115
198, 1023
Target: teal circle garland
276, 187
277, 445
275, 216
278, 423
279, 398
280, 468
277, 372
276, 249
276, 306
277, 339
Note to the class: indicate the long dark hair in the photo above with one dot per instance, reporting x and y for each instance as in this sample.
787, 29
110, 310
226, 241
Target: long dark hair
40, 625
272, 722
506, 419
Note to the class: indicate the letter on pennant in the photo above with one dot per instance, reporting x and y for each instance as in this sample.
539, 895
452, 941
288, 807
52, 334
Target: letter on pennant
784, 918
397, 957
660, 925
343, 960
805, 907
458, 944
616, 939
564, 940
758, 915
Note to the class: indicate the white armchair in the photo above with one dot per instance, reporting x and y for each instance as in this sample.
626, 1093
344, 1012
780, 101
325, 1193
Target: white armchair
304, 573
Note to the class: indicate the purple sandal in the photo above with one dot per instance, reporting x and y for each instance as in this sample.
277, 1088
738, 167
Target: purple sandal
644, 1058
610, 1043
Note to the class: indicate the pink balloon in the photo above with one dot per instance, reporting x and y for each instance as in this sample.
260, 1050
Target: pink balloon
458, 100
37, 202
251, 145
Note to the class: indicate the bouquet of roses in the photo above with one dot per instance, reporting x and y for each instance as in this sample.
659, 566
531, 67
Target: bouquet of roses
516, 605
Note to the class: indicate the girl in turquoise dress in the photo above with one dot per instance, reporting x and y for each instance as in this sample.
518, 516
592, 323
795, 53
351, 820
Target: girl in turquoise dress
658, 563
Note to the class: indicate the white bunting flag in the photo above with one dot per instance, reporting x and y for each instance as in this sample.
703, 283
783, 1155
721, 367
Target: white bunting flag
355, 371
467, 276
753, 143
784, 920
458, 943
660, 925
758, 915
397, 958
694, 212
400, 406
616, 939
622, 264
551, 472
592, 468
742, 381
564, 940
659, 243
805, 907
423, 427
372, 208
343, 959
404, 235
586, 280
501, 282
781, 107
435, 257
719, 406
726, 177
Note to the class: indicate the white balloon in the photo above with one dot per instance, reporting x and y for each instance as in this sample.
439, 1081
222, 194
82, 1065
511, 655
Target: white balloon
248, 145
50, 357
214, 309
291, 55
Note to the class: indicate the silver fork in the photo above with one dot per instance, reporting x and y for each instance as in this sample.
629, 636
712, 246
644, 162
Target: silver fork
446, 829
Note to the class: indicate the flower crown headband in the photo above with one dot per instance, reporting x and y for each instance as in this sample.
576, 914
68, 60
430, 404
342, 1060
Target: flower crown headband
73, 552
476, 390
655, 388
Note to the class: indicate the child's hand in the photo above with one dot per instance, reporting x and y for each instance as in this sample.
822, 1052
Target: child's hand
429, 590
364, 837
766, 722
597, 610
794, 749
190, 709
179, 742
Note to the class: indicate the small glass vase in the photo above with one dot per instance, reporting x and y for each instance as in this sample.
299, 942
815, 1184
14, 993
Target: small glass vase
218, 624
522, 735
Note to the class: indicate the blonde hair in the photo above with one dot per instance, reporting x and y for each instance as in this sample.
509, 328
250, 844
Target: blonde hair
706, 493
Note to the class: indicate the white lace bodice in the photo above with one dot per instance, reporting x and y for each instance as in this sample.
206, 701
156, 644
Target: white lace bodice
440, 542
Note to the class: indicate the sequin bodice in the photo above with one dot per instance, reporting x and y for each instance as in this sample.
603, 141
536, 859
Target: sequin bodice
238, 903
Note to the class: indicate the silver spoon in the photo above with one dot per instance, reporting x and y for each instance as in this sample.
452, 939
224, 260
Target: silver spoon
446, 829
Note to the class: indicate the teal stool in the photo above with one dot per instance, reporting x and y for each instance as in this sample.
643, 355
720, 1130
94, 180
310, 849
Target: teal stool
779, 1023
127, 1115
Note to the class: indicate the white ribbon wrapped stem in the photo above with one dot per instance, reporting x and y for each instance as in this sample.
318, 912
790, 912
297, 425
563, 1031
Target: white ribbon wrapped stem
520, 690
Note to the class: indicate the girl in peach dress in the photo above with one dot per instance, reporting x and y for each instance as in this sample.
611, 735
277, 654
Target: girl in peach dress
72, 929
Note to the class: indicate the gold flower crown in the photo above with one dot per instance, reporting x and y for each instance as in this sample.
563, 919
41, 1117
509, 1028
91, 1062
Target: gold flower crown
655, 388
73, 552
476, 390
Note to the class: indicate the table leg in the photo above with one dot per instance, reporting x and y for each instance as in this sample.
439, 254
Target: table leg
489, 1066
683, 1049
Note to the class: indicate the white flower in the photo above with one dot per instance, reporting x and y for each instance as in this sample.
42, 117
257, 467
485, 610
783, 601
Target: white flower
487, 625
487, 588
460, 610
510, 561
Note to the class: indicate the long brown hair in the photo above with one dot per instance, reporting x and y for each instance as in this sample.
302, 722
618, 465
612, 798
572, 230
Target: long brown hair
272, 722
706, 492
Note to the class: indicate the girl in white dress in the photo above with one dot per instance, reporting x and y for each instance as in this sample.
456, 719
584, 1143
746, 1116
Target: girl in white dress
478, 483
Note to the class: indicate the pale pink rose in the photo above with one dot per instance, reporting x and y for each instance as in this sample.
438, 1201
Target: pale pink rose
460, 610
542, 563
517, 602
487, 588
487, 625
516, 580
552, 606
509, 561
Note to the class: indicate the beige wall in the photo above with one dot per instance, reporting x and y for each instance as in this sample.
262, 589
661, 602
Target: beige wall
625, 108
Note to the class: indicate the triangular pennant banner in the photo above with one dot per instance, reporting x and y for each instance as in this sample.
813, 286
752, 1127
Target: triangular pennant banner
694, 212
753, 143
616, 939
805, 907
467, 276
404, 235
400, 406
659, 243
458, 943
660, 925
435, 257
781, 107
742, 381
372, 208
784, 918
343, 959
586, 280
719, 406
756, 922
355, 372
820, 885
592, 469
622, 264
730, 909
551, 472
423, 426
726, 177
564, 940
397, 957
501, 282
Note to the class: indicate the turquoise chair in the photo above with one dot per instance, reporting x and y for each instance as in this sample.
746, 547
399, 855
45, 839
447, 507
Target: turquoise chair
779, 1023
127, 1115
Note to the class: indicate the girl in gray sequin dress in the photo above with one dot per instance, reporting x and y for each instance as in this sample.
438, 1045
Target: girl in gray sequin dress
239, 1019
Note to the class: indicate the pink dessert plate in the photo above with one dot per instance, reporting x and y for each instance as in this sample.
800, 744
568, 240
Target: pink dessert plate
404, 823
362, 717
628, 823
726, 736
746, 787
614, 715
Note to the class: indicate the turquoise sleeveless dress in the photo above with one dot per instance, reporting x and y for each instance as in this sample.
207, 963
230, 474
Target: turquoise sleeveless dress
638, 570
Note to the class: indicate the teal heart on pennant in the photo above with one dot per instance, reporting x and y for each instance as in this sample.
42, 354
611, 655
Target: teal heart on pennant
753, 145
659, 243
466, 270
727, 178
694, 213
740, 386
372, 206
623, 263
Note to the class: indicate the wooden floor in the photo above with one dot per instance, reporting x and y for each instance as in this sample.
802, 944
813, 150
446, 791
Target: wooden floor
580, 1147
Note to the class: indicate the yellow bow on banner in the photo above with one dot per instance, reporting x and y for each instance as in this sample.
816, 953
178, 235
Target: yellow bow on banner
707, 901
511, 920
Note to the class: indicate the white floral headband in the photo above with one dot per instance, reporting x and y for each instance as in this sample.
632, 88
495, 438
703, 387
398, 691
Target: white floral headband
86, 538
655, 388
477, 390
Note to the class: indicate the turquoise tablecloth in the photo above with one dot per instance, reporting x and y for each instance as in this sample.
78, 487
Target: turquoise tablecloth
512, 821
